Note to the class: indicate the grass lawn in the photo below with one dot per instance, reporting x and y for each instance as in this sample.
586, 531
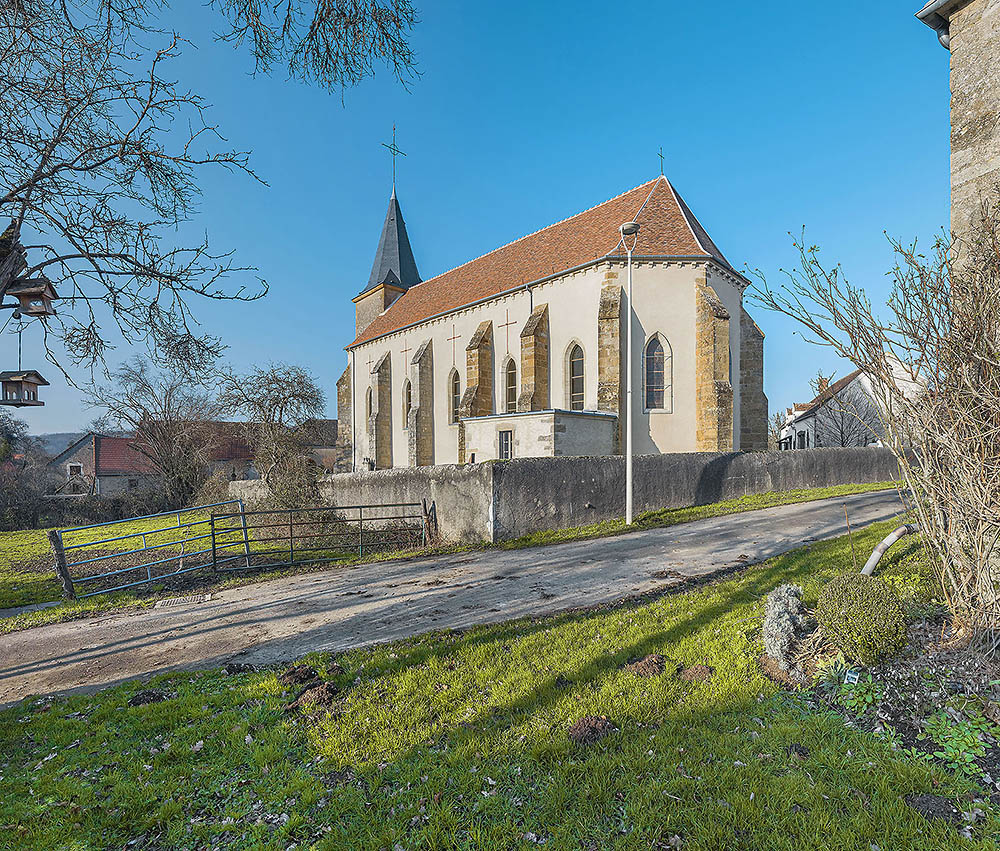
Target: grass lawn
27, 576
460, 741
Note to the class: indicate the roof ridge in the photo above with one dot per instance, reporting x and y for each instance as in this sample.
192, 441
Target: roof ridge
534, 232
684, 215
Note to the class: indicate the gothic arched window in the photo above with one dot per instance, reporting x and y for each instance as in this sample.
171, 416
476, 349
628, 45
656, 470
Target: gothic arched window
510, 387
658, 370
576, 383
368, 403
407, 403
456, 397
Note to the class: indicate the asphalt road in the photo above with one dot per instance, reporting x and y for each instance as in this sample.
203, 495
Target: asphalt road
341, 608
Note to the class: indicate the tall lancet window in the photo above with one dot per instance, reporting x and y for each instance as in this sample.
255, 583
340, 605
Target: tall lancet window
576, 384
456, 396
368, 403
658, 375
510, 387
407, 403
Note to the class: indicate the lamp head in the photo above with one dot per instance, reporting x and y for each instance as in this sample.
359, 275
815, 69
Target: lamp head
629, 229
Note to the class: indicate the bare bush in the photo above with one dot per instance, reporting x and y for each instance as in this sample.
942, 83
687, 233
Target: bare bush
274, 402
933, 360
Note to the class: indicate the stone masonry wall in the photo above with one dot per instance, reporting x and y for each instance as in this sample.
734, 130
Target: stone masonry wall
420, 423
975, 108
534, 394
501, 500
753, 402
609, 351
477, 401
713, 392
380, 421
345, 449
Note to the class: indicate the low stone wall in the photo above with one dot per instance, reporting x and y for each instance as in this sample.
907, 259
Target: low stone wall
552, 493
462, 494
497, 501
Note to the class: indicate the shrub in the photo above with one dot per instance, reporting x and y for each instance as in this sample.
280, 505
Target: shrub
862, 616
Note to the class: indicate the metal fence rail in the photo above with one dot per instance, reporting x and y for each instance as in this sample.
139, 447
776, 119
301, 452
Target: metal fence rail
150, 549
174, 551
291, 536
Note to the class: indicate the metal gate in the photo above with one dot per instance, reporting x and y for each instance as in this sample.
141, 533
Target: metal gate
285, 537
152, 548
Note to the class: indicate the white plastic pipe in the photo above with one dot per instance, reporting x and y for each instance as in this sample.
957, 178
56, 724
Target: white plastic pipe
888, 541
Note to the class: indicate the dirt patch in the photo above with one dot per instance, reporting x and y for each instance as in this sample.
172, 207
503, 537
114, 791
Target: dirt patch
322, 696
935, 807
797, 752
590, 729
142, 698
669, 574
233, 668
696, 673
770, 669
649, 666
298, 675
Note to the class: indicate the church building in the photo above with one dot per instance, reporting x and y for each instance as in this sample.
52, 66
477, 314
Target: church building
521, 352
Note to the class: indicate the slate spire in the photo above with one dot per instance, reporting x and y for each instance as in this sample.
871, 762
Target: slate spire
394, 263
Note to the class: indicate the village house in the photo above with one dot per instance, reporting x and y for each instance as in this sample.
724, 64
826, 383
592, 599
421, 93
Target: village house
843, 413
521, 352
107, 465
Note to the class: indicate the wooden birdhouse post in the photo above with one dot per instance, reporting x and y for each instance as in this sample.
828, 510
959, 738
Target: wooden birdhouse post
34, 296
19, 388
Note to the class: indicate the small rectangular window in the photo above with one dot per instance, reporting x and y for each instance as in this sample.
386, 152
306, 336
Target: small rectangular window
76, 469
506, 445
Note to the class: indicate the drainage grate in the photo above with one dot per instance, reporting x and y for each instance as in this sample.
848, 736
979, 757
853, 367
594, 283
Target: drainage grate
180, 601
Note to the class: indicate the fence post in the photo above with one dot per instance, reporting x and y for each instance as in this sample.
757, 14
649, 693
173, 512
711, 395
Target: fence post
215, 562
55, 539
434, 520
246, 537
426, 522
291, 537
361, 526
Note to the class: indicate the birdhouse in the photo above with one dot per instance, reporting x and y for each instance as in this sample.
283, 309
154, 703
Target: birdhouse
34, 295
20, 389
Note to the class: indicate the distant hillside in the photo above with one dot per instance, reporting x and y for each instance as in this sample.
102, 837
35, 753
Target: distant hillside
53, 444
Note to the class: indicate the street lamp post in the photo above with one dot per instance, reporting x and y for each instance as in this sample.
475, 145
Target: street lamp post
629, 230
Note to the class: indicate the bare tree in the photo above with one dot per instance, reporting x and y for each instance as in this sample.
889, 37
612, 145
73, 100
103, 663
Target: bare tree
24, 477
774, 427
274, 402
172, 422
933, 359
336, 43
846, 416
101, 153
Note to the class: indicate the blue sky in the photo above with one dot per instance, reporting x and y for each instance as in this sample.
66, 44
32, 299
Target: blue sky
771, 116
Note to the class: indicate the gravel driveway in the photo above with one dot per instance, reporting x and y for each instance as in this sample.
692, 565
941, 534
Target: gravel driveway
347, 607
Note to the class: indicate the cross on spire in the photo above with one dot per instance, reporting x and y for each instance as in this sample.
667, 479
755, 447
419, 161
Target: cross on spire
660, 155
395, 152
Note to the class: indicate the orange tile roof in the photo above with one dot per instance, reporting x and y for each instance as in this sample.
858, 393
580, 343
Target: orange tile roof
668, 229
